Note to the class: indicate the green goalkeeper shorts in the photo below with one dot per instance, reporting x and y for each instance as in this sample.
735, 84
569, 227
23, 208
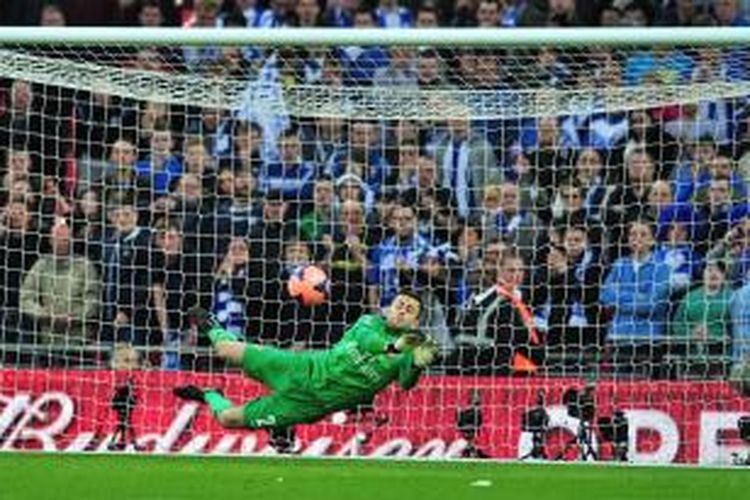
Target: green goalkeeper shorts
288, 375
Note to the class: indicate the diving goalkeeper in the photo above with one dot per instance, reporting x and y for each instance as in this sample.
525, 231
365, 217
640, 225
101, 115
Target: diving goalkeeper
308, 385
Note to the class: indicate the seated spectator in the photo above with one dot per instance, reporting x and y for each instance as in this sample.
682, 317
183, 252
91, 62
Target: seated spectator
589, 172
394, 261
429, 72
734, 249
630, 201
427, 16
318, 222
291, 176
518, 228
360, 63
19, 250
348, 256
703, 319
123, 176
677, 250
173, 287
199, 162
388, 14
720, 210
236, 212
307, 14
329, 143
61, 292
365, 152
498, 333
126, 282
205, 15
566, 291
401, 69
728, 13
636, 294
161, 167
231, 281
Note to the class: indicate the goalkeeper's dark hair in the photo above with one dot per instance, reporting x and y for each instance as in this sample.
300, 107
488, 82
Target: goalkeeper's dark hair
412, 294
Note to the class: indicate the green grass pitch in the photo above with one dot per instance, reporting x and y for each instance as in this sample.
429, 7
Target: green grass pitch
84, 477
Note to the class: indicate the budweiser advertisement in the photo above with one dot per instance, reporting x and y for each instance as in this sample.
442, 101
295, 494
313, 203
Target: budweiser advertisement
669, 422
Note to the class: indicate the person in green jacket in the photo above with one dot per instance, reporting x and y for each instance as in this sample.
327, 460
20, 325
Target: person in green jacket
309, 385
61, 291
703, 316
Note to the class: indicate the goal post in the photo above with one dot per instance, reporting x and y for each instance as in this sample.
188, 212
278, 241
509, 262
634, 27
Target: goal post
570, 204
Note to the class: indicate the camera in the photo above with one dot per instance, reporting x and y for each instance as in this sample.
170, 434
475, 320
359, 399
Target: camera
123, 403
580, 404
743, 426
469, 423
616, 430
536, 422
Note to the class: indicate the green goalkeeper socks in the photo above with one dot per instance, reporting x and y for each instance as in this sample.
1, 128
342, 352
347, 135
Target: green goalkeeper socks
218, 334
216, 402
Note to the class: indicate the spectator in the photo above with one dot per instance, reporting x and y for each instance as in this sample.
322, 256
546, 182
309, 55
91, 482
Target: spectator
61, 292
364, 152
19, 249
567, 291
734, 248
636, 293
488, 14
318, 222
150, 14
498, 333
173, 288
397, 259
231, 281
727, 13
467, 165
161, 167
291, 176
52, 16
629, 201
122, 176
400, 71
516, 227
126, 282
206, 15
360, 63
429, 72
390, 15
720, 210
677, 250
426, 17
703, 318
307, 14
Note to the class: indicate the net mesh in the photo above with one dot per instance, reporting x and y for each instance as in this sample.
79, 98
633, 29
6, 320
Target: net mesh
566, 215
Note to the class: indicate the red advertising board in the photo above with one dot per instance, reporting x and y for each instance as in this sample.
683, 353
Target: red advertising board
65, 410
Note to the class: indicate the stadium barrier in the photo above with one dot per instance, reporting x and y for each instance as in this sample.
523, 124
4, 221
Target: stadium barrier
670, 422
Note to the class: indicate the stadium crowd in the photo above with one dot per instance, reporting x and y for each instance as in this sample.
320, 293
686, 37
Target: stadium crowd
621, 239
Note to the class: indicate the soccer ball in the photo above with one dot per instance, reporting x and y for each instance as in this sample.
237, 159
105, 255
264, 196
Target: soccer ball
309, 285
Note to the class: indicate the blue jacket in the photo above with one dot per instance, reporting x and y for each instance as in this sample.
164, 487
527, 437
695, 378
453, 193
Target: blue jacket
294, 181
640, 297
160, 179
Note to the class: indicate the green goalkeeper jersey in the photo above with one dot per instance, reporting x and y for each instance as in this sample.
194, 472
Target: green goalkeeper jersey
358, 366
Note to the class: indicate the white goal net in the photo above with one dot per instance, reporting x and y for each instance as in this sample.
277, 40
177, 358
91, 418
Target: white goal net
573, 215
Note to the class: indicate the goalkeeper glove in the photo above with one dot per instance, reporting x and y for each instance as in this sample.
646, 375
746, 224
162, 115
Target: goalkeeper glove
425, 353
408, 341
